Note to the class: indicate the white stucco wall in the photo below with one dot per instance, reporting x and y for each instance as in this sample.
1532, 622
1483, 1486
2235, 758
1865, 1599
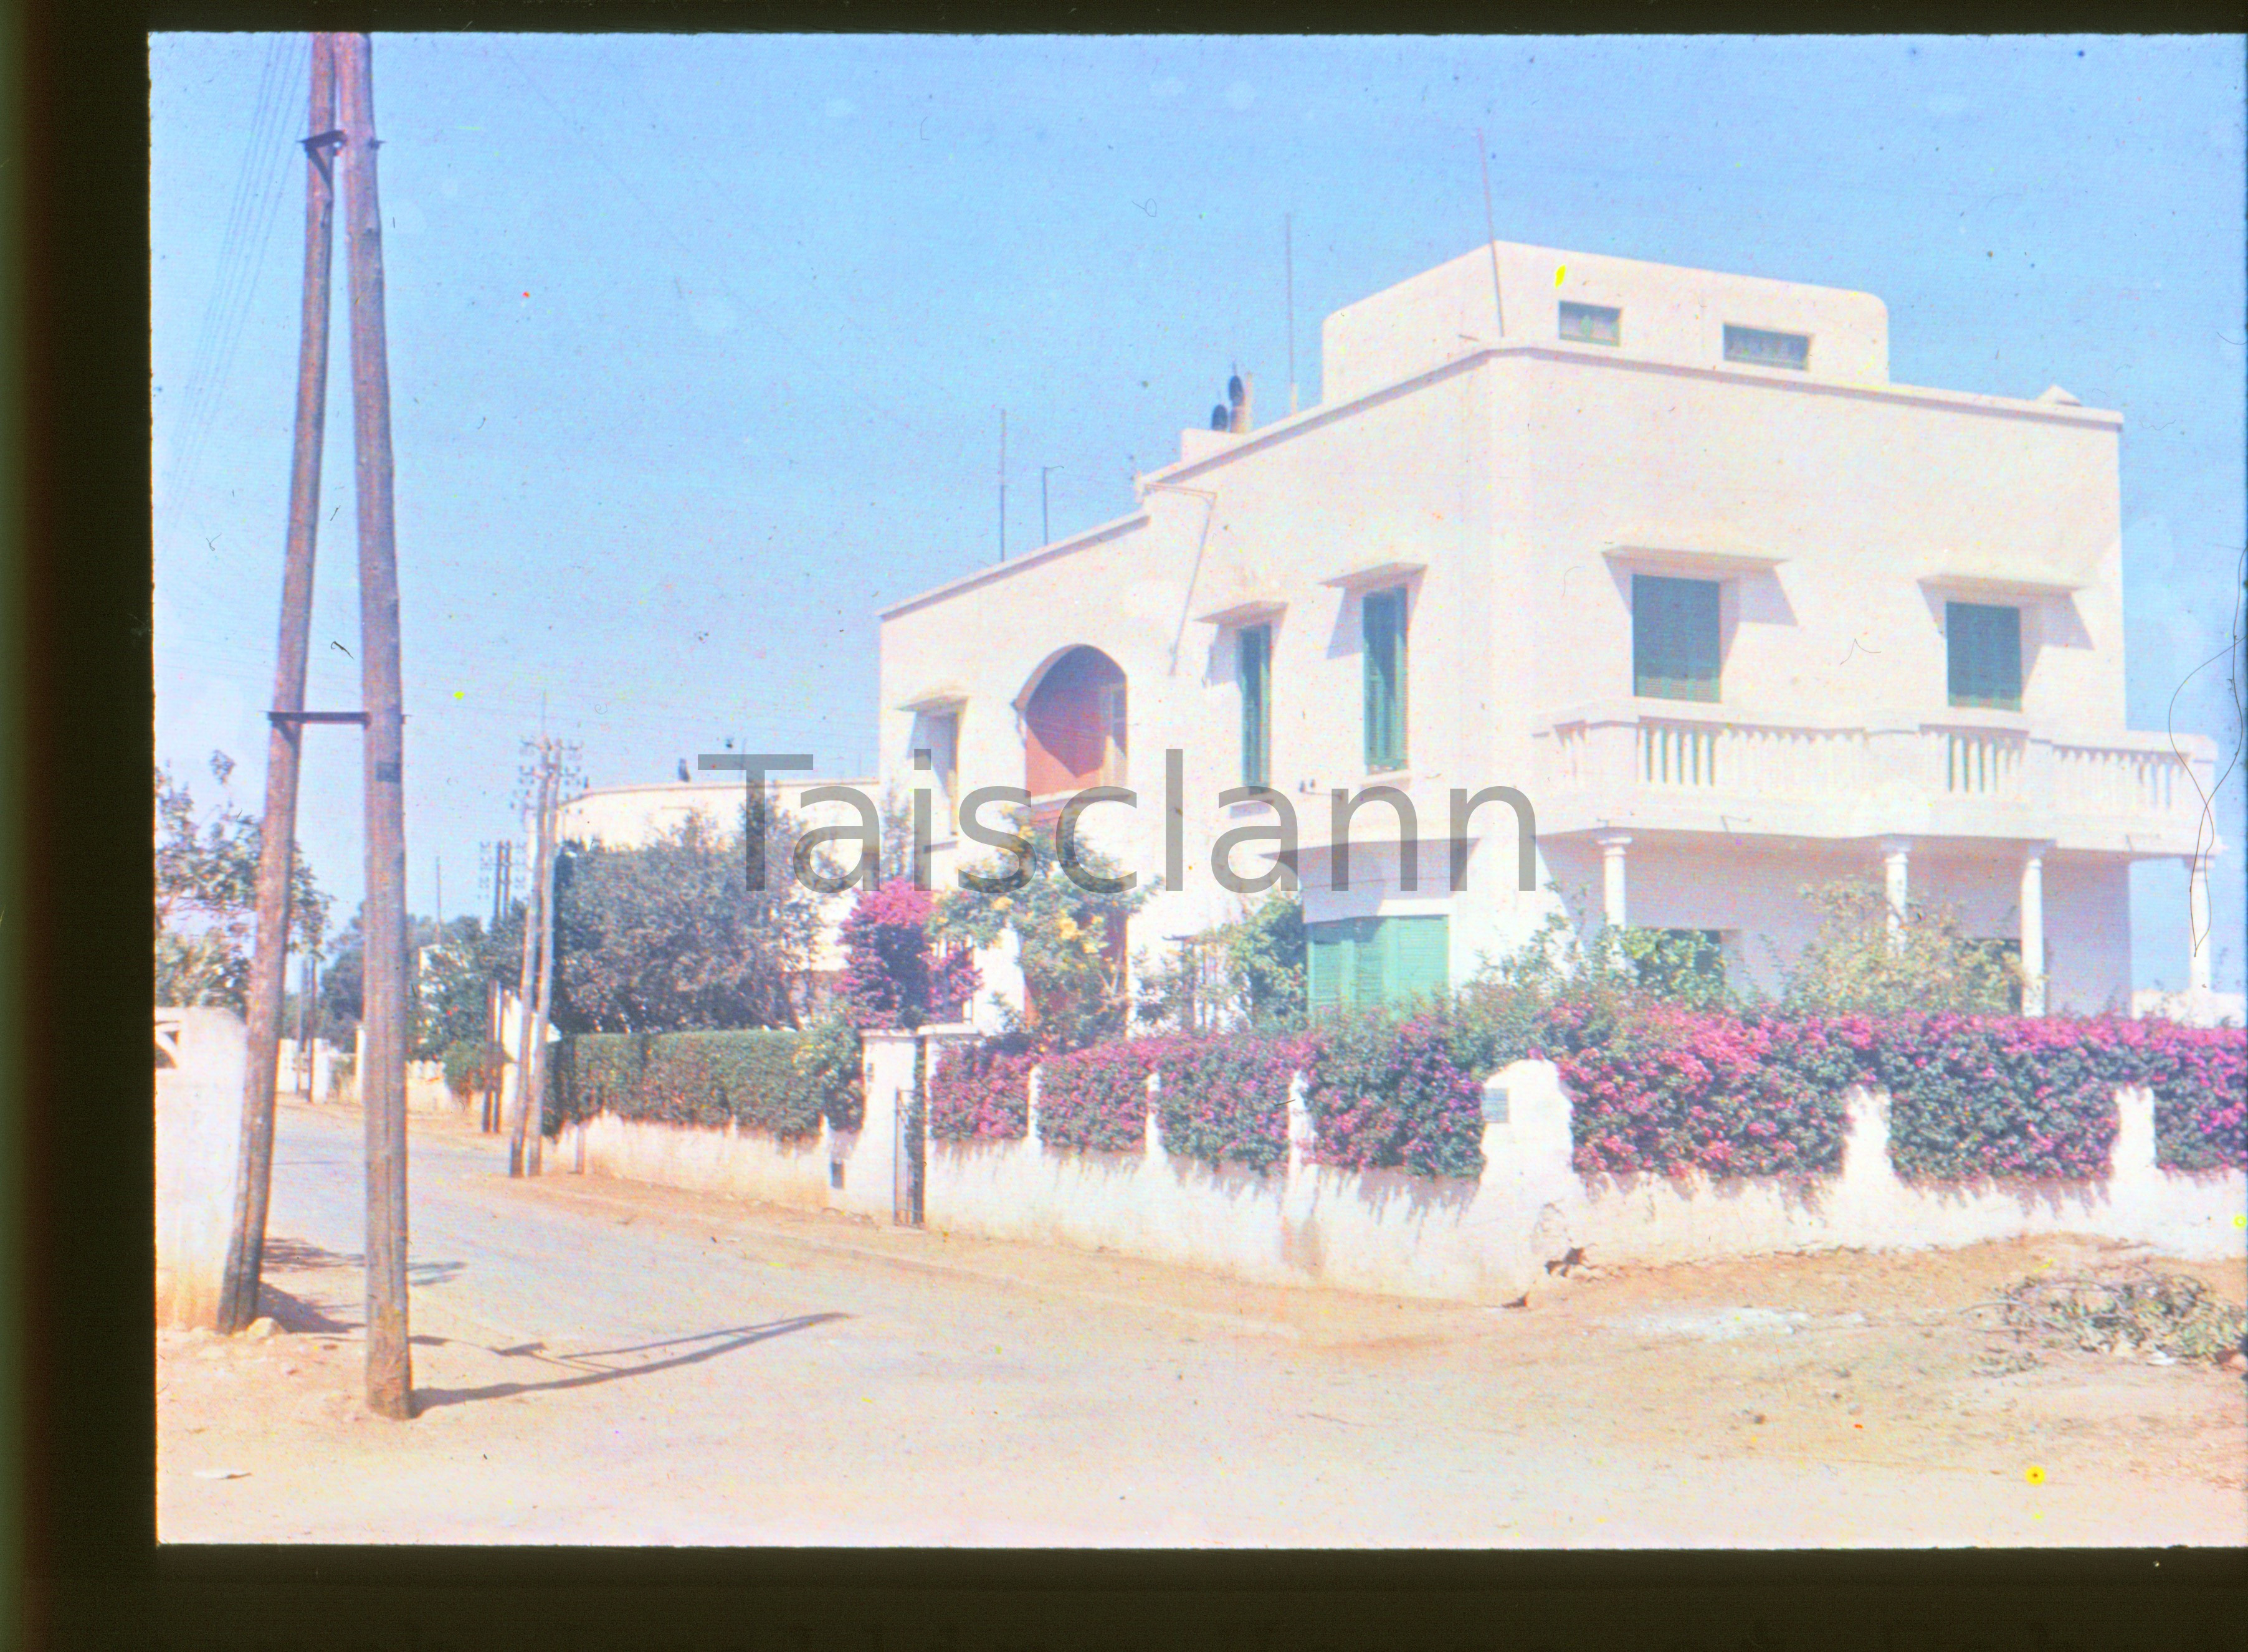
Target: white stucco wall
1485, 1239
198, 1149
1515, 490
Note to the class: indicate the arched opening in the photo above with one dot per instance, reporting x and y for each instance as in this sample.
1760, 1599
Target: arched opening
1073, 725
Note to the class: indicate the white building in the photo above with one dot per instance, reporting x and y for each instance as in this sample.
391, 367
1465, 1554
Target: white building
1669, 554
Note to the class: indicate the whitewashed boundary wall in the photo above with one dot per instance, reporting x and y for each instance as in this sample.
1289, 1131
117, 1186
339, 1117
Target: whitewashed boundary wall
1484, 1238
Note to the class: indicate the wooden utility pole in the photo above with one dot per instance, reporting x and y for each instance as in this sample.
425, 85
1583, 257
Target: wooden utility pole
382, 1079
534, 926
238, 1289
534, 1105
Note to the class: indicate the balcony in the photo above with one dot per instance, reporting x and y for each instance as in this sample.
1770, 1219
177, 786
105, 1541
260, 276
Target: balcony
1672, 765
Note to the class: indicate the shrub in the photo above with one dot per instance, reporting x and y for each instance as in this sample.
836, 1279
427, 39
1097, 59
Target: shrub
1391, 1096
708, 1079
981, 1093
465, 1061
2199, 1076
1999, 1097
832, 1058
893, 977
1096, 1100
1227, 1098
1664, 1089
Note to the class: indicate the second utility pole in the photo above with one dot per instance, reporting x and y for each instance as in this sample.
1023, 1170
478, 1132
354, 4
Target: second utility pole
238, 1285
383, 1081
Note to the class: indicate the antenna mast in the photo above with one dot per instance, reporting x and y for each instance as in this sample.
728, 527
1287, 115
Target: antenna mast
1490, 227
1288, 255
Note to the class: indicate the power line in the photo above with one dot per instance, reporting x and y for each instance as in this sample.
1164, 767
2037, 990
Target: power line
241, 255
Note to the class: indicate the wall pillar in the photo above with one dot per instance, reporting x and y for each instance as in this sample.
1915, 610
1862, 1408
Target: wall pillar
2198, 938
1897, 880
1613, 888
2034, 930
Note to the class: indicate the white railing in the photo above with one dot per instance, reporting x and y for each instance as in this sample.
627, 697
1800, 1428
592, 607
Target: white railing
1921, 773
1683, 754
1982, 765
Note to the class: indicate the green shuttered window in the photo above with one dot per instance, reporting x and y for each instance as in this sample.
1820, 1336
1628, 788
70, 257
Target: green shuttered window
1382, 619
1985, 646
1254, 643
1359, 963
1674, 638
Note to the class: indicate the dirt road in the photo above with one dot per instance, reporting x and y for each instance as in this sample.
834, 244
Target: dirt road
598, 1363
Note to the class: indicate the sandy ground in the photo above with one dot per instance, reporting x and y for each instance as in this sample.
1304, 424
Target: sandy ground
600, 1362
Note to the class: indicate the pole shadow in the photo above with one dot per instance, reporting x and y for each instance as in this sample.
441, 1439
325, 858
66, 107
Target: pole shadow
738, 1338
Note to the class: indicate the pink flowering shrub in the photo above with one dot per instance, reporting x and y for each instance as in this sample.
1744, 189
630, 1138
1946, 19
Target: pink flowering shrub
1225, 1099
891, 975
2199, 1076
1096, 1100
981, 1093
2002, 1098
1667, 1090
1393, 1096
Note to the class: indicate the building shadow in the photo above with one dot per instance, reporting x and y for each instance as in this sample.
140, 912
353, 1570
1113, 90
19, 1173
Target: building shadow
719, 1342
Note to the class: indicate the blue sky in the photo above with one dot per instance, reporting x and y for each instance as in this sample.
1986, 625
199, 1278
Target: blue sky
698, 344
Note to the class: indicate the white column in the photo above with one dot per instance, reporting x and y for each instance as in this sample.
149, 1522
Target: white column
2198, 935
2033, 930
1897, 877
1612, 877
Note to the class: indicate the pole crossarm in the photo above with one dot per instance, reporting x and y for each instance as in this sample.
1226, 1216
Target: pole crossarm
280, 718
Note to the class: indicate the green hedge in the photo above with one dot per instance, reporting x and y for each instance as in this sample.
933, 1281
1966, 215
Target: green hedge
752, 1080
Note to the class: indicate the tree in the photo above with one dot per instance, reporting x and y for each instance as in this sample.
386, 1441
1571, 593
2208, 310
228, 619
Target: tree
1069, 938
1859, 963
1248, 972
892, 978
206, 910
453, 979
670, 937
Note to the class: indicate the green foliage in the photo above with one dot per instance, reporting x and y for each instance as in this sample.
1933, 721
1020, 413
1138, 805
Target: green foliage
1225, 1099
1074, 978
670, 938
1388, 1094
748, 1079
832, 1059
1665, 1088
206, 889
1247, 973
465, 1062
1096, 1099
1854, 965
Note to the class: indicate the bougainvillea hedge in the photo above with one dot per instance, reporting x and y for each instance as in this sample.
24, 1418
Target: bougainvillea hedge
1224, 1100
2003, 1098
2199, 1076
1971, 1097
981, 1092
1668, 1090
748, 1079
1096, 1100
1388, 1096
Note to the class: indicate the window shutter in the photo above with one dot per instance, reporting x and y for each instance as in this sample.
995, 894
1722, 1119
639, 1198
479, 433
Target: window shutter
1675, 638
1420, 951
1382, 632
1256, 671
1984, 645
1327, 958
1369, 983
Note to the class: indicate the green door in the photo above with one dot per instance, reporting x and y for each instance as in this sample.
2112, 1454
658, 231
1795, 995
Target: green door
1358, 963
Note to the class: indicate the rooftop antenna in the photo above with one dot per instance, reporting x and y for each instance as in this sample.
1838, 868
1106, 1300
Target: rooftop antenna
1288, 256
1490, 226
